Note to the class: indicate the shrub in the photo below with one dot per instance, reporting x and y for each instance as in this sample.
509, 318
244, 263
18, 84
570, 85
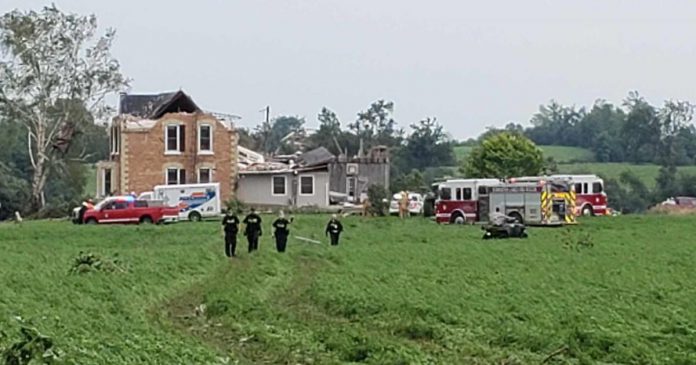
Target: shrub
378, 199
89, 262
31, 348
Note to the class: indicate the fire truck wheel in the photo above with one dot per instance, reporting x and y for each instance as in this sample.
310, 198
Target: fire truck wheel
587, 211
517, 217
458, 219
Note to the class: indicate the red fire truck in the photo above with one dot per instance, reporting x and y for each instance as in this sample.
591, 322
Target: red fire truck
589, 189
459, 200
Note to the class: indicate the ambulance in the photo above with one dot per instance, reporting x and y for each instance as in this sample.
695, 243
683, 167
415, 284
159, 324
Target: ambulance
194, 201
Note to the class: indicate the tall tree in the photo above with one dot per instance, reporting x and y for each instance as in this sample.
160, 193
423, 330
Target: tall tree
554, 124
641, 132
276, 136
50, 62
674, 118
376, 126
428, 146
504, 155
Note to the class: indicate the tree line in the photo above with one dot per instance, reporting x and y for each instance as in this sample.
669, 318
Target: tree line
635, 132
424, 147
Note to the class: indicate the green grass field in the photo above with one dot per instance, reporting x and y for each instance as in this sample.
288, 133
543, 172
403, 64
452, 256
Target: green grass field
392, 293
562, 154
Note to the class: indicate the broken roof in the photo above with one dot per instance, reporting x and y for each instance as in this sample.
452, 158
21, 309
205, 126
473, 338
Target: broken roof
317, 156
154, 106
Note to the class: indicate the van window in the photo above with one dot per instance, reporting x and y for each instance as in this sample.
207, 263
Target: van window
446, 194
597, 188
466, 194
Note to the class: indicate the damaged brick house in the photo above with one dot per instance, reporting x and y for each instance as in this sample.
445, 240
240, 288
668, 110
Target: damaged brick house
167, 139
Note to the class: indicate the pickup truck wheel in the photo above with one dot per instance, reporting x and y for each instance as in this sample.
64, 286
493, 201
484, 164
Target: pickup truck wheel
145, 220
91, 221
194, 217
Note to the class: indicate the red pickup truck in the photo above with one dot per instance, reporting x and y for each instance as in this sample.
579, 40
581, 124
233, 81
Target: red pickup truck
125, 209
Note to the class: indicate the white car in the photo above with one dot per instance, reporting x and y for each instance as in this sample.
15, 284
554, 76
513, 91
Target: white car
415, 203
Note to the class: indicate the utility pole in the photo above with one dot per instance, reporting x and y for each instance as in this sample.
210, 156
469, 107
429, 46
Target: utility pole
266, 130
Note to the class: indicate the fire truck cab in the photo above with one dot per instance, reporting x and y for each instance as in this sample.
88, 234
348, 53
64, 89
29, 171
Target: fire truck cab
459, 200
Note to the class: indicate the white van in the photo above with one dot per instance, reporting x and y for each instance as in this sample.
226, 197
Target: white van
195, 201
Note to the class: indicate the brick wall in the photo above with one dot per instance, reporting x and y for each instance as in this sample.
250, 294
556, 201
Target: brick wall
143, 162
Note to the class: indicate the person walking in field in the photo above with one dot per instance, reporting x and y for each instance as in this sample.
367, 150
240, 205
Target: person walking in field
252, 229
230, 226
281, 231
334, 229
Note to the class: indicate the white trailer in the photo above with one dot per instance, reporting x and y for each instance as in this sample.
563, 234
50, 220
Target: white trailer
195, 201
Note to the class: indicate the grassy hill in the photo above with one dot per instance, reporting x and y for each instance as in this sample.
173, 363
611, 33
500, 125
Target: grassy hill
392, 293
561, 154
647, 173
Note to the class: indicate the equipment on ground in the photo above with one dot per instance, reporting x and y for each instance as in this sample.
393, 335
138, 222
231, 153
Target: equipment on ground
507, 230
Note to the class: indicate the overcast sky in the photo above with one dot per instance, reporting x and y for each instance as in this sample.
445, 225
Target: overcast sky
471, 64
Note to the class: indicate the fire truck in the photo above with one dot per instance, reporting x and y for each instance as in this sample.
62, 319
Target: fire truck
537, 203
591, 199
458, 200
533, 203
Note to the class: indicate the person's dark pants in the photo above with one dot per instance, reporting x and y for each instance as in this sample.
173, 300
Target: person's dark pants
334, 238
253, 239
281, 241
230, 243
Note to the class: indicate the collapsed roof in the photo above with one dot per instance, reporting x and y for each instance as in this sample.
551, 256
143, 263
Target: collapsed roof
314, 158
154, 106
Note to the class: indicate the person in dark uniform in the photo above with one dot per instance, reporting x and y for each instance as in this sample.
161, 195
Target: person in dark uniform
334, 229
281, 231
252, 229
230, 225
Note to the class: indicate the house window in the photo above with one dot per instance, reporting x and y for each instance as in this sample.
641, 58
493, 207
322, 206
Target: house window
106, 182
176, 176
205, 138
175, 137
307, 185
278, 185
115, 141
204, 176
351, 186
